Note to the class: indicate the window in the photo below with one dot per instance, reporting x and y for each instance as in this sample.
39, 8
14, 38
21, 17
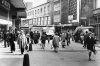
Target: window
56, 0
38, 11
45, 20
44, 9
42, 21
30, 22
57, 7
33, 12
48, 7
41, 10
57, 18
48, 20
38, 21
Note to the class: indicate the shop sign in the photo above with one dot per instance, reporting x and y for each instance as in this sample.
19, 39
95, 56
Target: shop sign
5, 4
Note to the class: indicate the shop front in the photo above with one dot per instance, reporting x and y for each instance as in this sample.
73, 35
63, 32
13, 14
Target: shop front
97, 22
10, 10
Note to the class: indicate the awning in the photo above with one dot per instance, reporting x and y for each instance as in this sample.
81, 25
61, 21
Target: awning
18, 3
21, 14
20, 7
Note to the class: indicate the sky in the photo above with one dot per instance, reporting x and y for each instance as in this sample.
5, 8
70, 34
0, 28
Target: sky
36, 2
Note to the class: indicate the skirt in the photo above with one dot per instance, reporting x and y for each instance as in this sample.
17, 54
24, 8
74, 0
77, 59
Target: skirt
90, 47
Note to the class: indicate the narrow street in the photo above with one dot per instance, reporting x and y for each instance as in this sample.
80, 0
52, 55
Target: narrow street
73, 55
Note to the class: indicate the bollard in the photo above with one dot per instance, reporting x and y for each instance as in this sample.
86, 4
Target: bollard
26, 60
30, 47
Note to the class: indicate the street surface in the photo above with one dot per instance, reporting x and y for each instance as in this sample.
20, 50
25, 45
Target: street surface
73, 55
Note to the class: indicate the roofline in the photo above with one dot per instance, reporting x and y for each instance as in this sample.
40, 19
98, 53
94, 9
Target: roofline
38, 6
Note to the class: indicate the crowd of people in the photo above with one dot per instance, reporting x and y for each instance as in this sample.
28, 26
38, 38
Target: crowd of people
26, 39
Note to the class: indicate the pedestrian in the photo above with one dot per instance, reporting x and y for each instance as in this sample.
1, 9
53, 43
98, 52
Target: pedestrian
19, 39
63, 36
55, 42
48, 38
91, 45
31, 37
28, 41
81, 37
23, 41
35, 36
11, 41
5, 39
38, 36
68, 35
43, 39
85, 37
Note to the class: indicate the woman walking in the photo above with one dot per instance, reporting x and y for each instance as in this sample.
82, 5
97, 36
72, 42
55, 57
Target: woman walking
23, 41
11, 41
91, 45
55, 42
63, 36
43, 39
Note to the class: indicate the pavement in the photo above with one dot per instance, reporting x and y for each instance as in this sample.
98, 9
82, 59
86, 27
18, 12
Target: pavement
72, 55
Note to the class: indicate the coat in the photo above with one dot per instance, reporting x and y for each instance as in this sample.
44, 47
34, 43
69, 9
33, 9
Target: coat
90, 43
23, 40
56, 41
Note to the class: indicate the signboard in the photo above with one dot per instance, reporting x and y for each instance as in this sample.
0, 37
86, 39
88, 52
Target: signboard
70, 18
83, 17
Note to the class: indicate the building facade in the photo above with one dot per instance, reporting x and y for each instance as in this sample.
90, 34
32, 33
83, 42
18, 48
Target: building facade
5, 15
74, 10
56, 12
86, 12
38, 16
9, 13
96, 18
29, 5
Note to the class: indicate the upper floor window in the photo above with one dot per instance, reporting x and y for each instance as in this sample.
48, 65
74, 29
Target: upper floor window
48, 7
57, 7
44, 9
35, 12
38, 11
55, 0
41, 10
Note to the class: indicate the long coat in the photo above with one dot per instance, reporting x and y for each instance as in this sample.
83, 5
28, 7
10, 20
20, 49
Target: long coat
11, 40
56, 41
23, 40
63, 37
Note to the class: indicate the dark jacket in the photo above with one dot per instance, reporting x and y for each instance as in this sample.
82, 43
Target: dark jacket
44, 37
90, 41
31, 35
